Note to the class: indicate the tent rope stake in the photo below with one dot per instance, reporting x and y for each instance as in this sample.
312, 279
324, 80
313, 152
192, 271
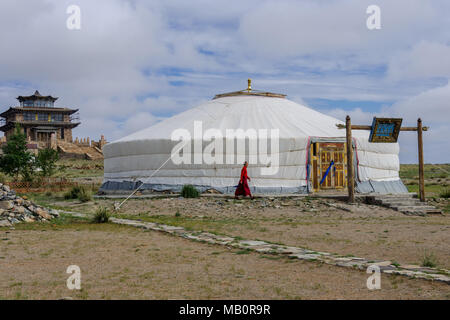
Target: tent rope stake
137, 189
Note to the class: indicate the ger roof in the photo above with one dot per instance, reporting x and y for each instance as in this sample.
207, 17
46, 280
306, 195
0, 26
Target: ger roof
246, 112
247, 109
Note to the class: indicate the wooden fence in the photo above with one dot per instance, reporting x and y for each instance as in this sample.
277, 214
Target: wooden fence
52, 184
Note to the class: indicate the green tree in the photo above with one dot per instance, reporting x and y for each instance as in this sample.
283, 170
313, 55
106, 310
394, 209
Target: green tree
46, 160
16, 160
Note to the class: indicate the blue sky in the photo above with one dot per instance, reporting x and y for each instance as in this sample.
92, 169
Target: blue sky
134, 62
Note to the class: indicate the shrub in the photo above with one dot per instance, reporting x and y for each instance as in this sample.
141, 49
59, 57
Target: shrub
189, 191
429, 260
16, 159
67, 196
78, 192
72, 193
46, 160
445, 193
101, 215
84, 195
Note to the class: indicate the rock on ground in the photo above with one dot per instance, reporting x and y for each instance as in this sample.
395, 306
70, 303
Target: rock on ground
14, 209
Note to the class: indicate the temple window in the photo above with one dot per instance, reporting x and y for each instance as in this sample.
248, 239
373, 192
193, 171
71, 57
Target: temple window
29, 116
56, 117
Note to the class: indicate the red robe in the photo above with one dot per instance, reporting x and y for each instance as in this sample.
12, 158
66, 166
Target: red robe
243, 188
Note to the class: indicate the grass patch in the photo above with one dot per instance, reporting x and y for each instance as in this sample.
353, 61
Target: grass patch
79, 168
71, 168
431, 171
436, 177
74, 223
63, 221
210, 224
43, 199
429, 189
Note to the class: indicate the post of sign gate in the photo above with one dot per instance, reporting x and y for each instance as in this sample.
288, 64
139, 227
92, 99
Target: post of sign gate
382, 130
421, 169
350, 168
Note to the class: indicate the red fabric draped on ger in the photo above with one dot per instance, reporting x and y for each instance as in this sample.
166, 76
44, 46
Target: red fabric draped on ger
243, 188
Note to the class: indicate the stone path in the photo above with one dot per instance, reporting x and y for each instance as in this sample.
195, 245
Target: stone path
412, 271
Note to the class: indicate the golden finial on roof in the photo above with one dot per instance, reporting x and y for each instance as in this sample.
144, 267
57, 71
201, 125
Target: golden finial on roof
250, 92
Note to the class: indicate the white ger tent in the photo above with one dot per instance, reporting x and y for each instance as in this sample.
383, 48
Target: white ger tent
147, 158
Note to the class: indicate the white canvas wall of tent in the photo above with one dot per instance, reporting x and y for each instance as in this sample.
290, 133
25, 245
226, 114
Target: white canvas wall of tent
144, 158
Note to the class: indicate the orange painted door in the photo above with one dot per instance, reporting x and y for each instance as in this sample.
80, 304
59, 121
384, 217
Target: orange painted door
329, 152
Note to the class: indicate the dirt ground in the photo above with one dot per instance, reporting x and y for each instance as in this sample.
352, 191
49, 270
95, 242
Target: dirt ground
367, 231
119, 262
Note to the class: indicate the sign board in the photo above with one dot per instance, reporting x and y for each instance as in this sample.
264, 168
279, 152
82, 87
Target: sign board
385, 130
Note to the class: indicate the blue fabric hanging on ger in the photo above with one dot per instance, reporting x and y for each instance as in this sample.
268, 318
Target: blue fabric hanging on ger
327, 172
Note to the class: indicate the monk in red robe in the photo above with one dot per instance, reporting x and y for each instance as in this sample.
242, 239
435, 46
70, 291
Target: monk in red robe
243, 188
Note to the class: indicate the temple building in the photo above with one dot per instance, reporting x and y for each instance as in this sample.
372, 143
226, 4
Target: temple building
40, 120
47, 126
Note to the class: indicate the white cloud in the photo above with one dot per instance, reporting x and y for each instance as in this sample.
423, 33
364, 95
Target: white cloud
357, 115
424, 60
433, 108
138, 121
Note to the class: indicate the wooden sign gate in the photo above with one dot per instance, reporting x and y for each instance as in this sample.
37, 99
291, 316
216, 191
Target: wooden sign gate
350, 170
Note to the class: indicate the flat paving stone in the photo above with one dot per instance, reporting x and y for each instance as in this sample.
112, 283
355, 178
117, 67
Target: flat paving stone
252, 242
225, 239
384, 268
343, 259
170, 228
305, 256
381, 263
410, 266
264, 250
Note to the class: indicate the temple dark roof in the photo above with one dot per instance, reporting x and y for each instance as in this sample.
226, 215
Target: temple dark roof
58, 124
36, 96
13, 110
